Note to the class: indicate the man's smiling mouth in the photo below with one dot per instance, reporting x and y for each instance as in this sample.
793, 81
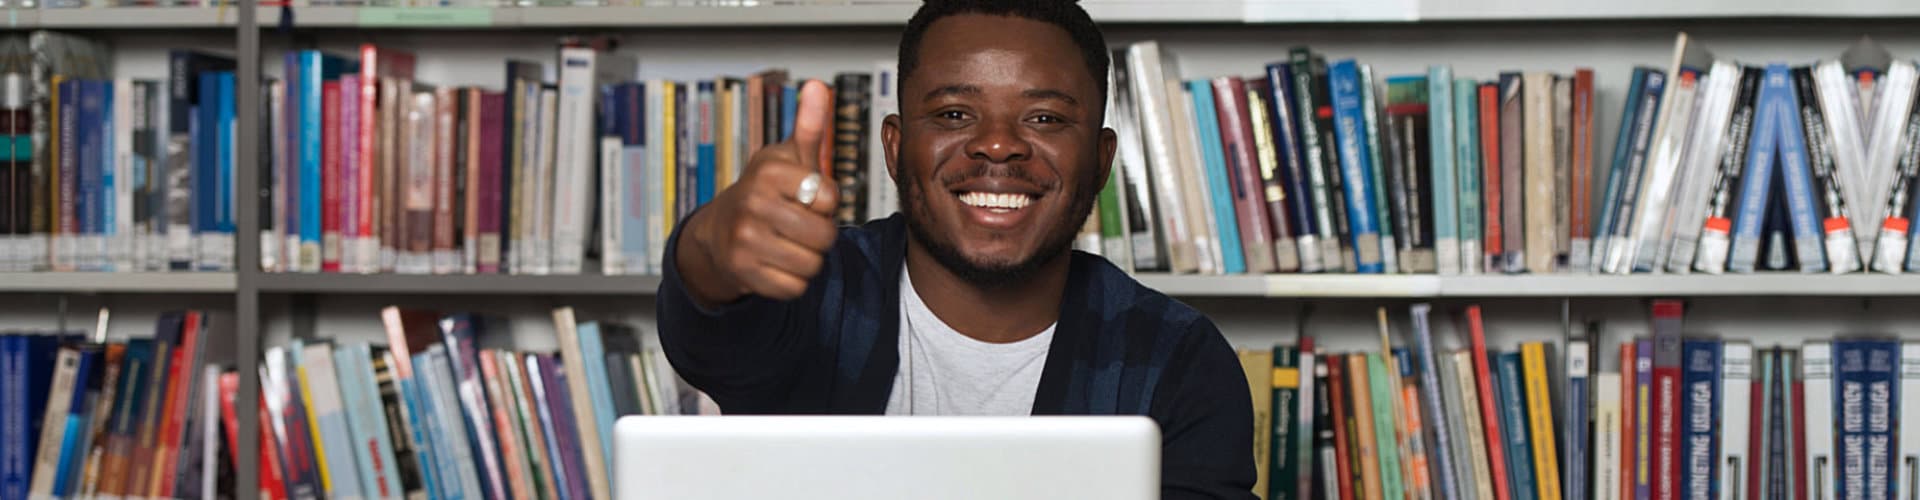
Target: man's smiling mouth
996, 202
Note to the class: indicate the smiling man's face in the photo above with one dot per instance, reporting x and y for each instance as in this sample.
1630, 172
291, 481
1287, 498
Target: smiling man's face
998, 149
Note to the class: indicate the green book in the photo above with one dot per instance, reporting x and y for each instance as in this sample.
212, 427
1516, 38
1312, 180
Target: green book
1370, 107
1282, 468
1384, 426
1466, 130
1113, 226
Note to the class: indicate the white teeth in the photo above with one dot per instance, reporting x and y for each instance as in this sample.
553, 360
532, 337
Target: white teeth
1007, 201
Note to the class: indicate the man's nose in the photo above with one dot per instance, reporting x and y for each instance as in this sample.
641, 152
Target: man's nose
999, 141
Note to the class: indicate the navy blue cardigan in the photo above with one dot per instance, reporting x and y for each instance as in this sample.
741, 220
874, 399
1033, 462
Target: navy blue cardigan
1119, 349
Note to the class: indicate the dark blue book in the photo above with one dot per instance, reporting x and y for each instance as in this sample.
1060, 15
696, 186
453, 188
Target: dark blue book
459, 332
789, 105
1577, 418
1286, 145
70, 221
1513, 414
1625, 175
1699, 412
86, 385
26, 374
1350, 130
93, 168
1866, 380
560, 404
186, 144
1803, 208
1756, 188
706, 164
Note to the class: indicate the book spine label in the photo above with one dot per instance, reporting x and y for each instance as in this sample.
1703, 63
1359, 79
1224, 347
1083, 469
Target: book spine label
1355, 161
1700, 413
1513, 410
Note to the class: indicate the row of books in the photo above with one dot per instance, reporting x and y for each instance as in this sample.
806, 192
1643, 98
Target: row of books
1318, 167
427, 414
1672, 415
82, 417
375, 171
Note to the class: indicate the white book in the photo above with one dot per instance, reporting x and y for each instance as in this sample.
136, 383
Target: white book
574, 143
1303, 425
1699, 167
120, 245
1607, 426
615, 256
1908, 458
1736, 417
540, 251
1816, 375
1844, 132
654, 175
1192, 178
1476, 435
321, 384
1895, 94
210, 427
1154, 101
278, 247
883, 196
1677, 107
1453, 402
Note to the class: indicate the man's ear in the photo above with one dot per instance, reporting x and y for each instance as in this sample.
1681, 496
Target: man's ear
890, 139
1109, 141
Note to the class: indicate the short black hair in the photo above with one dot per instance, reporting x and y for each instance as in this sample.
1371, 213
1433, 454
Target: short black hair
1065, 14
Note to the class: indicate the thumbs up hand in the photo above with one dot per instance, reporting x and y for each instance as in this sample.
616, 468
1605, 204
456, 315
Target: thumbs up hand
768, 233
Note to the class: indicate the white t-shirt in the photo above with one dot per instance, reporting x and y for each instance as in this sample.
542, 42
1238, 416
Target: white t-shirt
945, 372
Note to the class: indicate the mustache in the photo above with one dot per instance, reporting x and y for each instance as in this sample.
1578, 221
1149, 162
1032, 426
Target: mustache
988, 170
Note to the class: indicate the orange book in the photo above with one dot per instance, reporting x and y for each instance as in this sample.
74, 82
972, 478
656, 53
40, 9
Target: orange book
509, 444
1368, 450
179, 379
1412, 429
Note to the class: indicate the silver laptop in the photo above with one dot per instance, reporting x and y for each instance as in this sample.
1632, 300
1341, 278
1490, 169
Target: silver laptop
886, 458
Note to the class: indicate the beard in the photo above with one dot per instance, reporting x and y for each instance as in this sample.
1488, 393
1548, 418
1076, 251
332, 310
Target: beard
1055, 241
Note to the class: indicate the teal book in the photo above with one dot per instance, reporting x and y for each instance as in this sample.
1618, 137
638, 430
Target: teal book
1384, 395
594, 353
366, 418
1373, 115
1441, 137
1466, 164
1513, 415
1207, 125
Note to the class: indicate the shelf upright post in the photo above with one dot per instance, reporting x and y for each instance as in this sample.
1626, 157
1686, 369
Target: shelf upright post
247, 245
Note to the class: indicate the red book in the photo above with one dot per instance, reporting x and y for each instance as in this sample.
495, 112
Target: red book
446, 153
1490, 184
1796, 459
1343, 454
1243, 171
1489, 411
270, 486
1756, 434
1666, 400
470, 139
1629, 405
179, 381
376, 64
1580, 191
509, 440
330, 176
493, 109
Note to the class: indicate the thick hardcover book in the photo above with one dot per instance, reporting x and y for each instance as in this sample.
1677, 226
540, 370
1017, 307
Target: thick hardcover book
332, 177
1410, 149
1355, 166
852, 103
1493, 217
1513, 135
306, 77
1699, 414
523, 81
443, 257
1513, 414
377, 64
1303, 210
1245, 188
1735, 419
1272, 195
1666, 400
1866, 382
1318, 160
420, 153
1445, 160
1538, 170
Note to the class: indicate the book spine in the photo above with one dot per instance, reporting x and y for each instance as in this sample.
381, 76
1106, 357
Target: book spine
1666, 400
1285, 387
852, 102
347, 145
92, 181
1416, 461
1430, 374
1759, 473
1538, 173
1607, 437
1797, 177
1491, 417
330, 176
1891, 246
1817, 389
417, 171
573, 158
1908, 412
1270, 195
1243, 177
372, 454
1714, 241
1393, 482
1314, 163
1303, 209
457, 334
1643, 460
1466, 147
580, 394
1328, 427
1758, 177
566, 430
1649, 94
1445, 211
310, 108
1663, 164
1577, 421
1367, 465
1373, 119
1408, 183
1580, 190
1700, 412
1513, 411
1355, 161
1492, 216
512, 457
1477, 469
1513, 161
1865, 379
457, 473
1219, 190
1539, 400
1788, 442
1735, 419
442, 254
1304, 421
52, 431
66, 225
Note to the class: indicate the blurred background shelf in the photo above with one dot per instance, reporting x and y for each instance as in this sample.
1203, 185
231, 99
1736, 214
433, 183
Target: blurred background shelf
157, 283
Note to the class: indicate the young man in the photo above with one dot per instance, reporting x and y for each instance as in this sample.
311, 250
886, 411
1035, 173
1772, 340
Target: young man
970, 302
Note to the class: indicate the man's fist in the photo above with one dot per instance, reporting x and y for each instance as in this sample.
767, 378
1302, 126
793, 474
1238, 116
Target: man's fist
757, 237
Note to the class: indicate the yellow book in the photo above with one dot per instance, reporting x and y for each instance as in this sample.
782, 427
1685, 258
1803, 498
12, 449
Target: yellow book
1533, 362
723, 135
1369, 454
313, 430
670, 165
1258, 364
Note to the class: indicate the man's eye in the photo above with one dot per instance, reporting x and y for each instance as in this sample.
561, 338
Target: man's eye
1047, 119
953, 115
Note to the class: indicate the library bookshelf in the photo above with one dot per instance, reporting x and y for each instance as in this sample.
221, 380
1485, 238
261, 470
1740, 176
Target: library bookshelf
1215, 37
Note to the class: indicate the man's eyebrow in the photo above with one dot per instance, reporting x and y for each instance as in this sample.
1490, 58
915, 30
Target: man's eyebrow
1051, 94
951, 90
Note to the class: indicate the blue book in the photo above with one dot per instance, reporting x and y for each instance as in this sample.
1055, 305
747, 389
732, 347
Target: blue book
706, 164
421, 437
635, 233
1756, 182
1803, 209
292, 128
1292, 157
1866, 382
224, 116
26, 375
92, 170
206, 148
308, 71
1576, 417
462, 457
447, 469
1435, 416
1513, 412
73, 442
789, 105
595, 353
71, 178
1699, 414
458, 332
1636, 129
1350, 131
1446, 205
366, 420
1207, 129
184, 144
1466, 157
1913, 243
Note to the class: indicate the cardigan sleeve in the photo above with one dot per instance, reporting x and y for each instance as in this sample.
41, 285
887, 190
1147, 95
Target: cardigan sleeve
741, 354
1207, 423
